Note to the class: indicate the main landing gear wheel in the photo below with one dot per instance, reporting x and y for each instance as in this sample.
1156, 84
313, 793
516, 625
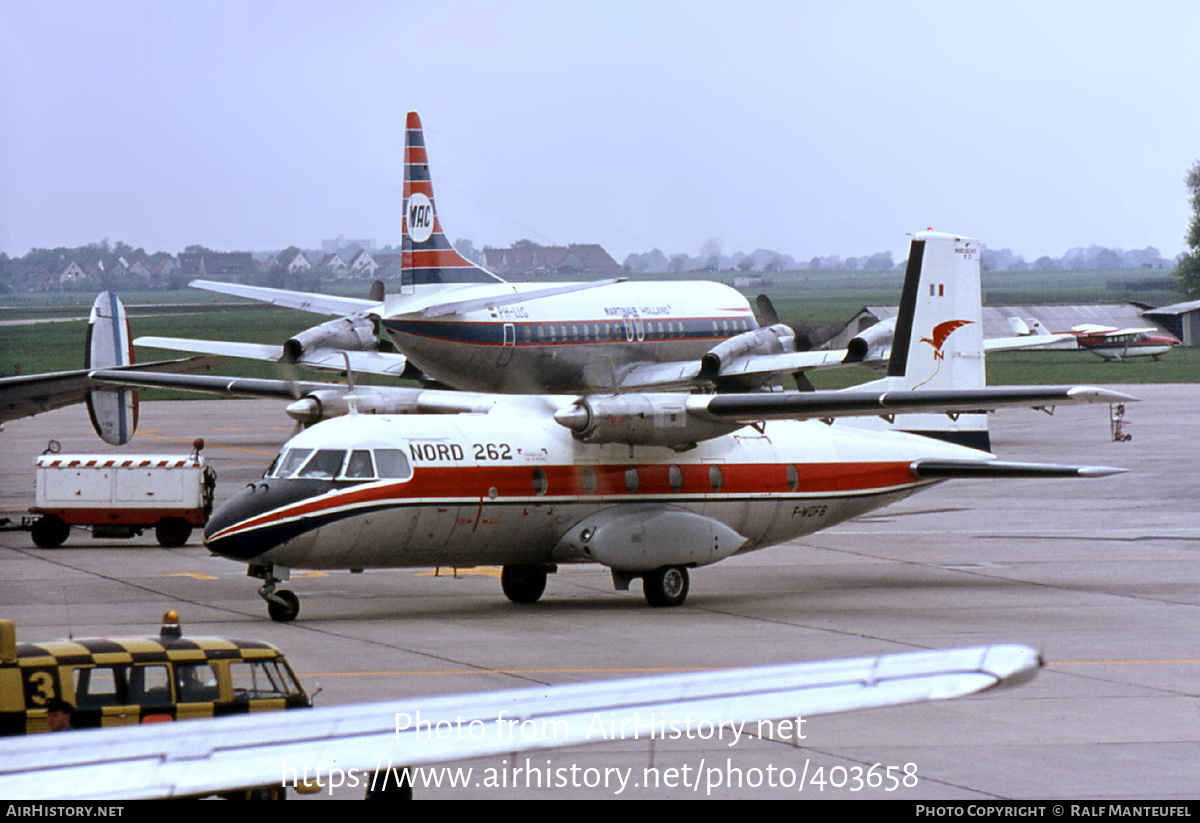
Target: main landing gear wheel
523, 584
50, 532
667, 586
285, 611
172, 532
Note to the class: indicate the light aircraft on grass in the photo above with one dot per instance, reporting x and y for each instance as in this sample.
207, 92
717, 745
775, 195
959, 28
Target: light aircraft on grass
468, 329
649, 485
1106, 342
1122, 344
356, 745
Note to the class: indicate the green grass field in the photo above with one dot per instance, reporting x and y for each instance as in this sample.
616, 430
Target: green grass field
814, 298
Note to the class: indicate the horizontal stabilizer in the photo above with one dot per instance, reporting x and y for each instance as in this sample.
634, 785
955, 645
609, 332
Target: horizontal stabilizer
994, 469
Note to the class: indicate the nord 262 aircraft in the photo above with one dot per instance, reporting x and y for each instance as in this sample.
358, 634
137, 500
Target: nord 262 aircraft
469, 329
650, 485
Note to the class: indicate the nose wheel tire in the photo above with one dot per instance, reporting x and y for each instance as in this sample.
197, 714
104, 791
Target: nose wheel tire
667, 586
285, 611
523, 584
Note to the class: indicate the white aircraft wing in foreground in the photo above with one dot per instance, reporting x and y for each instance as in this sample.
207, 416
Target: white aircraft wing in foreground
206, 756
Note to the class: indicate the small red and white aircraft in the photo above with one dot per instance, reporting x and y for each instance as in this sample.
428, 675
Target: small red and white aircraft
650, 485
1107, 342
1121, 344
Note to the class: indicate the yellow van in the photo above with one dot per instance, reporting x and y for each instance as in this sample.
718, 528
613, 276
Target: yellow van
129, 680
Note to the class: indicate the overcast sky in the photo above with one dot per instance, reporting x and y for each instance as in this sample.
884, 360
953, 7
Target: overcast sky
810, 128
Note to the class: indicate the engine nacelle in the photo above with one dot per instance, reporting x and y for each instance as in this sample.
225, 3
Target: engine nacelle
347, 333
871, 343
326, 403
640, 420
642, 538
776, 339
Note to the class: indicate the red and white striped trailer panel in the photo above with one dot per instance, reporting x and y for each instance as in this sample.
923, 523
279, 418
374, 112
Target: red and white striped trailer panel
173, 493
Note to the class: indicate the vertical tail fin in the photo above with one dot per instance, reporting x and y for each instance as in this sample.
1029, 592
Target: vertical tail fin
114, 412
938, 343
427, 256
939, 330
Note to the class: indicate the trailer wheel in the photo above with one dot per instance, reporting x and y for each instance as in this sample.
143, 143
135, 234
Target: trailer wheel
50, 532
172, 532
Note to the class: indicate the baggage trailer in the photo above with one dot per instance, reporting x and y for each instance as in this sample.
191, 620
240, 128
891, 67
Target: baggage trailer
121, 496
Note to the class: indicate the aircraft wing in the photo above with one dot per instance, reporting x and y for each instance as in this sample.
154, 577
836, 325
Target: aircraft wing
476, 303
849, 403
303, 301
29, 394
205, 756
1036, 341
324, 359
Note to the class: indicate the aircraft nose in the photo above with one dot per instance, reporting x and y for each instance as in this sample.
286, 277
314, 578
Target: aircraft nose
241, 528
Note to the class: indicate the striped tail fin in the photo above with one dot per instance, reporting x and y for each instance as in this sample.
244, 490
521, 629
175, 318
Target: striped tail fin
428, 258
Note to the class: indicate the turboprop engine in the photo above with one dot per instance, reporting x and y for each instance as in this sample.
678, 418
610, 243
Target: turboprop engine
872, 343
776, 339
355, 333
640, 420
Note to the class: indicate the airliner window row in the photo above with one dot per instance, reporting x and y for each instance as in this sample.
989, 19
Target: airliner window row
392, 464
631, 329
634, 477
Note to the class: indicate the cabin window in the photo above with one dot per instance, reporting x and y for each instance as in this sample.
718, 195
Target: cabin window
122, 685
589, 480
149, 686
98, 687
292, 460
196, 683
715, 478
793, 478
540, 483
675, 476
632, 479
359, 466
255, 679
324, 465
392, 464
541, 334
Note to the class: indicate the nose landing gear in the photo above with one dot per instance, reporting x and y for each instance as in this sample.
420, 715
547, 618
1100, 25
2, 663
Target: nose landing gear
282, 605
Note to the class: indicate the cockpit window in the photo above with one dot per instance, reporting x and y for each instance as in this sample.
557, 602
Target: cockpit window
292, 460
359, 466
324, 465
392, 463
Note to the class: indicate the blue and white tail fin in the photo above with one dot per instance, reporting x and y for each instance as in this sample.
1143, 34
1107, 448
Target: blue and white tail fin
938, 343
428, 258
114, 412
